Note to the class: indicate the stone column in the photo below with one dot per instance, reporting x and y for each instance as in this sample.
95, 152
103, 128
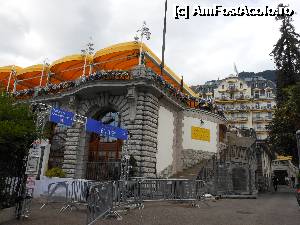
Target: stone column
142, 123
72, 142
71, 148
143, 143
177, 143
150, 126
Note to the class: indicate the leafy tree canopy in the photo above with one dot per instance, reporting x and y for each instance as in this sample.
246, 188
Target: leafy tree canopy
286, 122
286, 56
287, 114
17, 128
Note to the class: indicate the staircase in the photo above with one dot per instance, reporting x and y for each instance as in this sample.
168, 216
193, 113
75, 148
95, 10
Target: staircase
202, 171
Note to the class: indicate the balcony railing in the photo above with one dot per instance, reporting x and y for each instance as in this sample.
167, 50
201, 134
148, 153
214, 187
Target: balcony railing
232, 88
258, 118
263, 97
261, 129
242, 118
263, 107
244, 108
268, 118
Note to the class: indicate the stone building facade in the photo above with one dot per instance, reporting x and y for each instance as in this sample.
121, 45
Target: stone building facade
169, 127
247, 103
159, 125
264, 174
236, 166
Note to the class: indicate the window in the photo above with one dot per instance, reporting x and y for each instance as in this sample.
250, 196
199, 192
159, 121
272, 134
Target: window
257, 105
241, 85
223, 86
269, 115
262, 92
269, 106
268, 94
231, 96
256, 94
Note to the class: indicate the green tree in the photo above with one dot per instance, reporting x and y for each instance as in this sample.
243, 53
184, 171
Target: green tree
17, 130
286, 122
286, 56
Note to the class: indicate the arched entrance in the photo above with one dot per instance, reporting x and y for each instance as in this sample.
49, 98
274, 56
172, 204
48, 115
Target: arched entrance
239, 179
104, 154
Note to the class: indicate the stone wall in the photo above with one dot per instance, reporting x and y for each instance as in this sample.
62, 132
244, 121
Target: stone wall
191, 157
143, 143
239, 154
138, 102
138, 115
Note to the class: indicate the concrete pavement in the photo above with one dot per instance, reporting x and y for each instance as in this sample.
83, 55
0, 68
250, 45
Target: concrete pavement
279, 208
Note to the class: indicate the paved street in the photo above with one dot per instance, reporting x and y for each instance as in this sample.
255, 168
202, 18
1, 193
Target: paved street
269, 209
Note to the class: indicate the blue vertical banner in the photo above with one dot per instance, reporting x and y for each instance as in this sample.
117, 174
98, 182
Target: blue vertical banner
62, 117
105, 130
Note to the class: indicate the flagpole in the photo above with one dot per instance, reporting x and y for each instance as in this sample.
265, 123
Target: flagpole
164, 39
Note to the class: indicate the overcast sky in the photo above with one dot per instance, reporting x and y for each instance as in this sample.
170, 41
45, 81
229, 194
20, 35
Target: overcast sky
200, 49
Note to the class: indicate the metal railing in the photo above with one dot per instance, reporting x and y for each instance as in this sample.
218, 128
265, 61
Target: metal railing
106, 198
69, 193
103, 170
172, 189
99, 201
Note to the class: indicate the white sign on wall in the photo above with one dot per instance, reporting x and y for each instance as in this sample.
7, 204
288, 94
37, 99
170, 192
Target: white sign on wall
36, 152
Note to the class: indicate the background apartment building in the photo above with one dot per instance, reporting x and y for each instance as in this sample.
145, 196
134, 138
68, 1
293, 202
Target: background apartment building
247, 102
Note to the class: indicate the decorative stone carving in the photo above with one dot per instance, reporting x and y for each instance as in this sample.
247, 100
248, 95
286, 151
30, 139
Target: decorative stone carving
72, 102
132, 102
139, 72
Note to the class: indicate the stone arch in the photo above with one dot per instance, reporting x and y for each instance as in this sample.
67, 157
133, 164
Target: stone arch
88, 108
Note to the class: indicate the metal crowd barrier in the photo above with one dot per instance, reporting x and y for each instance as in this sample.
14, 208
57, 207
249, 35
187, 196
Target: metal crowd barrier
26, 203
106, 198
172, 189
69, 193
99, 201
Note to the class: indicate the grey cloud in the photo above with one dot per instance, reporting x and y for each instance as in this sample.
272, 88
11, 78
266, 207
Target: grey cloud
201, 48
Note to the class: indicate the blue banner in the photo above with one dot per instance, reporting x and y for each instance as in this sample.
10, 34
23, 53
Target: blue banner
105, 130
62, 117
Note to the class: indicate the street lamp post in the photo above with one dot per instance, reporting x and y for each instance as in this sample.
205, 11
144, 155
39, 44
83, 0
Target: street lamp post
45, 64
144, 32
12, 73
88, 50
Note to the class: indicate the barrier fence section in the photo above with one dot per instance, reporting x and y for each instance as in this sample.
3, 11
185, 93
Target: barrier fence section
105, 198
172, 189
99, 201
70, 193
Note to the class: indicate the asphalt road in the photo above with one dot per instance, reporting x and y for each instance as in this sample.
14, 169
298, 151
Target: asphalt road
279, 208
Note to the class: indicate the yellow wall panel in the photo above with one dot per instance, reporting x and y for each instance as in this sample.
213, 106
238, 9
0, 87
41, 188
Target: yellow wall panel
199, 133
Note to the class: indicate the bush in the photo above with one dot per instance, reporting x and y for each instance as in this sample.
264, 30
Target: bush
55, 172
